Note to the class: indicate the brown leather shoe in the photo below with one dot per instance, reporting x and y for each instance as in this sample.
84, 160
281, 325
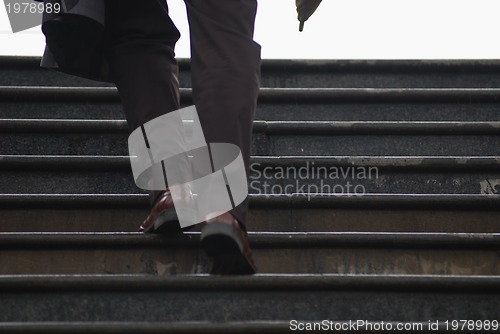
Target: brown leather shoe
162, 218
226, 244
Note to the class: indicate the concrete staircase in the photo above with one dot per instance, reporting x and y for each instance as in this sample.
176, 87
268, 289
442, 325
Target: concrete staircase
419, 241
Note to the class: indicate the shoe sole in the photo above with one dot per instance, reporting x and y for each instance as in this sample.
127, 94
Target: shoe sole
223, 244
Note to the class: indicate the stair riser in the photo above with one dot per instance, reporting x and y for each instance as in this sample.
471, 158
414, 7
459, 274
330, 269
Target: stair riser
289, 77
277, 220
182, 260
239, 306
273, 182
116, 144
376, 181
339, 111
445, 111
64, 110
377, 145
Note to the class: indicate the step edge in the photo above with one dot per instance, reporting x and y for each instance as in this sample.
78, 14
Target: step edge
190, 327
184, 63
258, 240
271, 128
58, 162
258, 282
56, 93
373, 200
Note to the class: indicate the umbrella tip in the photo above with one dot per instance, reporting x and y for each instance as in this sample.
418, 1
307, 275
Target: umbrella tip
301, 26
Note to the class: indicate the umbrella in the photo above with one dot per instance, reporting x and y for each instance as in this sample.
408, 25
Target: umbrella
305, 8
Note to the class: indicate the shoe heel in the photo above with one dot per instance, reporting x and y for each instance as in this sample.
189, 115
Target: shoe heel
219, 239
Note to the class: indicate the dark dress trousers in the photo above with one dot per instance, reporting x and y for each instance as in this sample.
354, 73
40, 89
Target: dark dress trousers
225, 66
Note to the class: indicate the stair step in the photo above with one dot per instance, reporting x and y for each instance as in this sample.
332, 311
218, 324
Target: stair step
417, 174
273, 182
109, 137
381, 145
303, 73
344, 253
371, 212
379, 104
264, 297
335, 219
268, 175
445, 110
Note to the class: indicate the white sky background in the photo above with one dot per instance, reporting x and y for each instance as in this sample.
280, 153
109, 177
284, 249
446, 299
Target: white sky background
343, 29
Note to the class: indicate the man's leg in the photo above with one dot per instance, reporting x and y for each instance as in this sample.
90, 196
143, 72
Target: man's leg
140, 48
225, 69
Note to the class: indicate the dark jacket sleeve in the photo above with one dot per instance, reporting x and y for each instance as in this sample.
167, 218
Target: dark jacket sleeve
75, 39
